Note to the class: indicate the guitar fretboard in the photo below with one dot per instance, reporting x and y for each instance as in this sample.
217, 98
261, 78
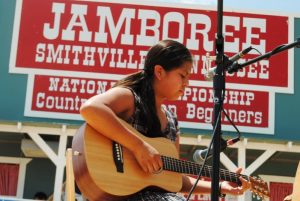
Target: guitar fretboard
188, 167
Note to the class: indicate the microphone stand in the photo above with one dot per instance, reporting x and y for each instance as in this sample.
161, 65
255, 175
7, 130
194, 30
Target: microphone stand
218, 86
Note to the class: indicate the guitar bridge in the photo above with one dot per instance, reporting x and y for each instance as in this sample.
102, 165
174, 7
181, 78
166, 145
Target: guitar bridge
118, 156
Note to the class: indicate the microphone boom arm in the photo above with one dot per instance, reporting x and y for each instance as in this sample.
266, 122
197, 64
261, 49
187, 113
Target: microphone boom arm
236, 66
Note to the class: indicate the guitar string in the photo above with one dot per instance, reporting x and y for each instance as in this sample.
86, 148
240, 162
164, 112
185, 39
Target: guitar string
193, 168
174, 164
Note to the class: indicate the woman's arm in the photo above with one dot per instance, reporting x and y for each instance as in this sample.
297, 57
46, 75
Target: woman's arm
204, 187
103, 111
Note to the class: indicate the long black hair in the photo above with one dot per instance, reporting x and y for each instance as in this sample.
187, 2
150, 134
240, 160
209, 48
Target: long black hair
170, 55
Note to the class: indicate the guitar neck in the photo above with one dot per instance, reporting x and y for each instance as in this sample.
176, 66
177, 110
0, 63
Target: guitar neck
191, 168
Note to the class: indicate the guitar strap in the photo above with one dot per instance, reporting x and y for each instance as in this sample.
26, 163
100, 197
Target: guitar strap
118, 156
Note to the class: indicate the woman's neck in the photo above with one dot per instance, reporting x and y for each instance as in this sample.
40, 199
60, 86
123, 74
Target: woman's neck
158, 102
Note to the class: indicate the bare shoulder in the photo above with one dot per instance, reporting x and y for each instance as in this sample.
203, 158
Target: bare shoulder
118, 94
113, 94
121, 91
119, 99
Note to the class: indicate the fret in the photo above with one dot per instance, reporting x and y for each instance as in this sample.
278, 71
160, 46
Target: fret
165, 165
225, 178
180, 167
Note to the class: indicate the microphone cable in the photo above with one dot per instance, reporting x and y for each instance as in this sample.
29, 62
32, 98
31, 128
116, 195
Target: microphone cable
210, 144
205, 159
228, 142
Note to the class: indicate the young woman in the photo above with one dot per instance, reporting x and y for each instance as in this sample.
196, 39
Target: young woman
138, 100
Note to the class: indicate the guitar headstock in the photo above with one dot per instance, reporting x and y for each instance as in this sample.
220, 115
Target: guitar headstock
259, 187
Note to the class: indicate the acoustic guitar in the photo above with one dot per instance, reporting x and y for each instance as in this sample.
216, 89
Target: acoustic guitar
101, 176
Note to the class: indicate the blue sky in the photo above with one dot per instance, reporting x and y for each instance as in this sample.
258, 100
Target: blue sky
286, 6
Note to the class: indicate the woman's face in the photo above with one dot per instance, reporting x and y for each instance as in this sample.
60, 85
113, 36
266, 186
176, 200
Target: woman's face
172, 83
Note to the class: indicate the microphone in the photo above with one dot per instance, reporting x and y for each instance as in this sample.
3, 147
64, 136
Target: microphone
199, 155
212, 71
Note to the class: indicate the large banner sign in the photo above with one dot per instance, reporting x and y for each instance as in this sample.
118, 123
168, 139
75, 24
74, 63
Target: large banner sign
72, 50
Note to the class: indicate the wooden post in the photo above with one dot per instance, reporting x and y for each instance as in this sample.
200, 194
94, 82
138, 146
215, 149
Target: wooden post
70, 185
296, 187
296, 192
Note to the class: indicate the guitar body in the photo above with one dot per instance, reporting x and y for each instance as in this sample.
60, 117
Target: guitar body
96, 174
98, 179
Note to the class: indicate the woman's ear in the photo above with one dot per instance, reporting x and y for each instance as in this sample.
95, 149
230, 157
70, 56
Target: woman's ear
159, 72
